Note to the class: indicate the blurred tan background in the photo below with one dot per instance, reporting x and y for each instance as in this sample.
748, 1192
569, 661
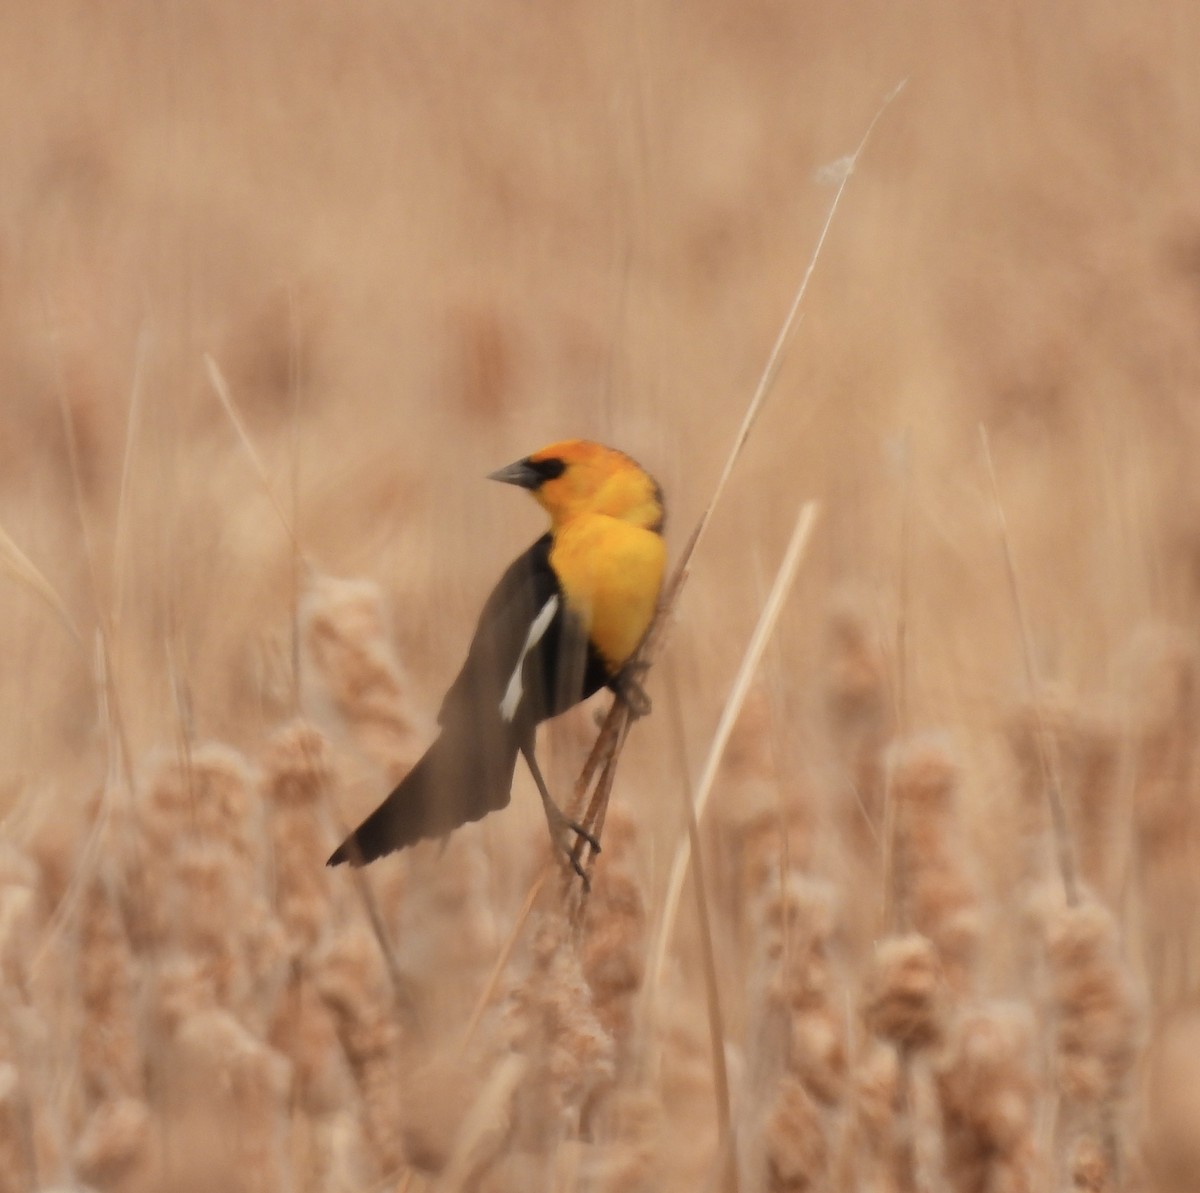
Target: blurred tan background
420, 241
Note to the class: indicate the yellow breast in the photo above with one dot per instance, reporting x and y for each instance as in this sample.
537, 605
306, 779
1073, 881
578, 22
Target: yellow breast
610, 572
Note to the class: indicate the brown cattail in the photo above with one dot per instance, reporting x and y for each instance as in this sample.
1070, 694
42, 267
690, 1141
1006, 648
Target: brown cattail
860, 716
873, 1137
20, 916
903, 1004
938, 899
686, 1083
614, 928
1166, 806
445, 922
904, 997
1092, 998
796, 1141
303, 1030
553, 1023
206, 797
353, 982
797, 1002
110, 1050
1091, 1166
206, 904
297, 775
207, 794
631, 1158
1096, 1022
988, 1099
18, 1153
1085, 742
756, 848
115, 1145
344, 632
235, 1090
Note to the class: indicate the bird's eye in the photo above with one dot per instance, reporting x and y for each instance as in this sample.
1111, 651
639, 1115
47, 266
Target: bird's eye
549, 469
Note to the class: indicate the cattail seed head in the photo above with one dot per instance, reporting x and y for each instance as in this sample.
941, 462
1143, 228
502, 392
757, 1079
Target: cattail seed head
988, 1098
903, 1001
1093, 1001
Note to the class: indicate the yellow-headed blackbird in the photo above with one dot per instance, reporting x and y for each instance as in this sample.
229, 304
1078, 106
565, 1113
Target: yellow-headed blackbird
562, 623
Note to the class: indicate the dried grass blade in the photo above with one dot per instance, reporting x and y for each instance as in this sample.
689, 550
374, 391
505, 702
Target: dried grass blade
733, 706
23, 570
1050, 778
221, 389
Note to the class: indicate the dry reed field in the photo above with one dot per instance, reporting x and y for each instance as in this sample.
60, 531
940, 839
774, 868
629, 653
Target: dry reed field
281, 282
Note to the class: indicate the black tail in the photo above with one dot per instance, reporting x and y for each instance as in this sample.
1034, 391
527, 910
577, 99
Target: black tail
454, 782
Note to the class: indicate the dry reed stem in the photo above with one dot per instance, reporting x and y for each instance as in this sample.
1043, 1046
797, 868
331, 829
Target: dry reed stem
121, 518
1088, 747
221, 389
1051, 782
729, 714
22, 569
871, 1146
486, 1128
619, 715
727, 1146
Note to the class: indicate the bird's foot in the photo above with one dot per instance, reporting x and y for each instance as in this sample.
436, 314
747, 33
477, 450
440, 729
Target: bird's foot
560, 826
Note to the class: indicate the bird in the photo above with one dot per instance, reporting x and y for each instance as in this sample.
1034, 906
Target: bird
565, 620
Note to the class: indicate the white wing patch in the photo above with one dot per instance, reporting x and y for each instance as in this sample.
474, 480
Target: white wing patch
537, 631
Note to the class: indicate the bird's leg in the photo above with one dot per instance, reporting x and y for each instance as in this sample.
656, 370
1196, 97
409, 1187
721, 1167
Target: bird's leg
628, 685
555, 817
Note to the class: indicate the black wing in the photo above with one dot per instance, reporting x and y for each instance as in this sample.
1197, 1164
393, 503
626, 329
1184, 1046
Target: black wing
559, 670
467, 772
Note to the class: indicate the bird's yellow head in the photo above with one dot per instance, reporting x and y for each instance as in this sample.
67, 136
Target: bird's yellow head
579, 477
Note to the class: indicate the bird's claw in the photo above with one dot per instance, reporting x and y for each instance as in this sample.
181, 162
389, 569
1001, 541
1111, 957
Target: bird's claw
561, 827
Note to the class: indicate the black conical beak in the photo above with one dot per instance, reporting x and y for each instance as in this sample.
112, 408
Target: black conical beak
521, 473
